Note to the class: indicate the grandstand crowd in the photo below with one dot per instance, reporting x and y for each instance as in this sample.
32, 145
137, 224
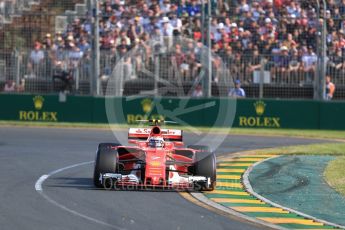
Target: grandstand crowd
280, 36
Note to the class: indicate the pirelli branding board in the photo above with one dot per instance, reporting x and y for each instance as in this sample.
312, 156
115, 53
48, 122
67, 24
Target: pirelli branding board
38, 113
260, 120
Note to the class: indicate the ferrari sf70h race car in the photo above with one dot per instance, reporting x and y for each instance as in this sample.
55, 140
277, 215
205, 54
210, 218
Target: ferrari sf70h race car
156, 160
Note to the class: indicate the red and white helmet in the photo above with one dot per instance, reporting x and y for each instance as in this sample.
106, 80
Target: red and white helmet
156, 142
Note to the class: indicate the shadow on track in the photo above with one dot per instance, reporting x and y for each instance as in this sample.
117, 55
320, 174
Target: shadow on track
85, 183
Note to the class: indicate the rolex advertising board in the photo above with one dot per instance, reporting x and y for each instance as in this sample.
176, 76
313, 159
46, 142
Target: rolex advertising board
277, 114
193, 112
259, 120
45, 108
224, 112
38, 113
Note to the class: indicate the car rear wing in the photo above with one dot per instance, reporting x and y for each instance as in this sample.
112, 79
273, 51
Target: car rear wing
143, 134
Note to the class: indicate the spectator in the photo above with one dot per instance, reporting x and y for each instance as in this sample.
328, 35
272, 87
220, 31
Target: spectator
165, 6
283, 65
10, 86
309, 64
36, 61
74, 55
176, 22
237, 69
167, 29
237, 92
241, 32
294, 67
194, 9
178, 61
47, 42
21, 86
64, 76
123, 37
289, 42
84, 45
197, 92
194, 66
228, 57
330, 88
336, 64
254, 63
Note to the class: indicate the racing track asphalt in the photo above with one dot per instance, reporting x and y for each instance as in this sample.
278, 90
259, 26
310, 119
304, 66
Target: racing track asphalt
28, 153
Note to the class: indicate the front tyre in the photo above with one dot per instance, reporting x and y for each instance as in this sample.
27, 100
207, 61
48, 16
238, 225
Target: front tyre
106, 161
205, 165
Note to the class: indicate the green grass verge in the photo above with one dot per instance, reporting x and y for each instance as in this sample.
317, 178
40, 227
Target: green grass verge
335, 149
335, 174
327, 134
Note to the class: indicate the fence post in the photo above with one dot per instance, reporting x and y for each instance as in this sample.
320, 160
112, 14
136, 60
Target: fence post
77, 77
208, 80
323, 55
156, 74
319, 81
16, 66
203, 22
95, 50
262, 75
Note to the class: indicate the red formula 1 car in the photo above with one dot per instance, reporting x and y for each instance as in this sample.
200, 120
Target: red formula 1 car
156, 160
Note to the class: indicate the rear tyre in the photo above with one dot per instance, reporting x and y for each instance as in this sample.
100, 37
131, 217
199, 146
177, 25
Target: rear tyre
205, 165
106, 161
203, 148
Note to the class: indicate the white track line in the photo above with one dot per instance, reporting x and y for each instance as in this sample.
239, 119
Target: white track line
39, 182
39, 189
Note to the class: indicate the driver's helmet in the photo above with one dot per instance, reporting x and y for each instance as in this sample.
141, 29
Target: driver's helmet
156, 142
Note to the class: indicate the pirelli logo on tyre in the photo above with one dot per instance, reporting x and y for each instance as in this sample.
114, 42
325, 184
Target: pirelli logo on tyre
259, 120
38, 114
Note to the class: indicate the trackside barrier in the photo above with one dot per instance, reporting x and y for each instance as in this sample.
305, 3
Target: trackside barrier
299, 114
